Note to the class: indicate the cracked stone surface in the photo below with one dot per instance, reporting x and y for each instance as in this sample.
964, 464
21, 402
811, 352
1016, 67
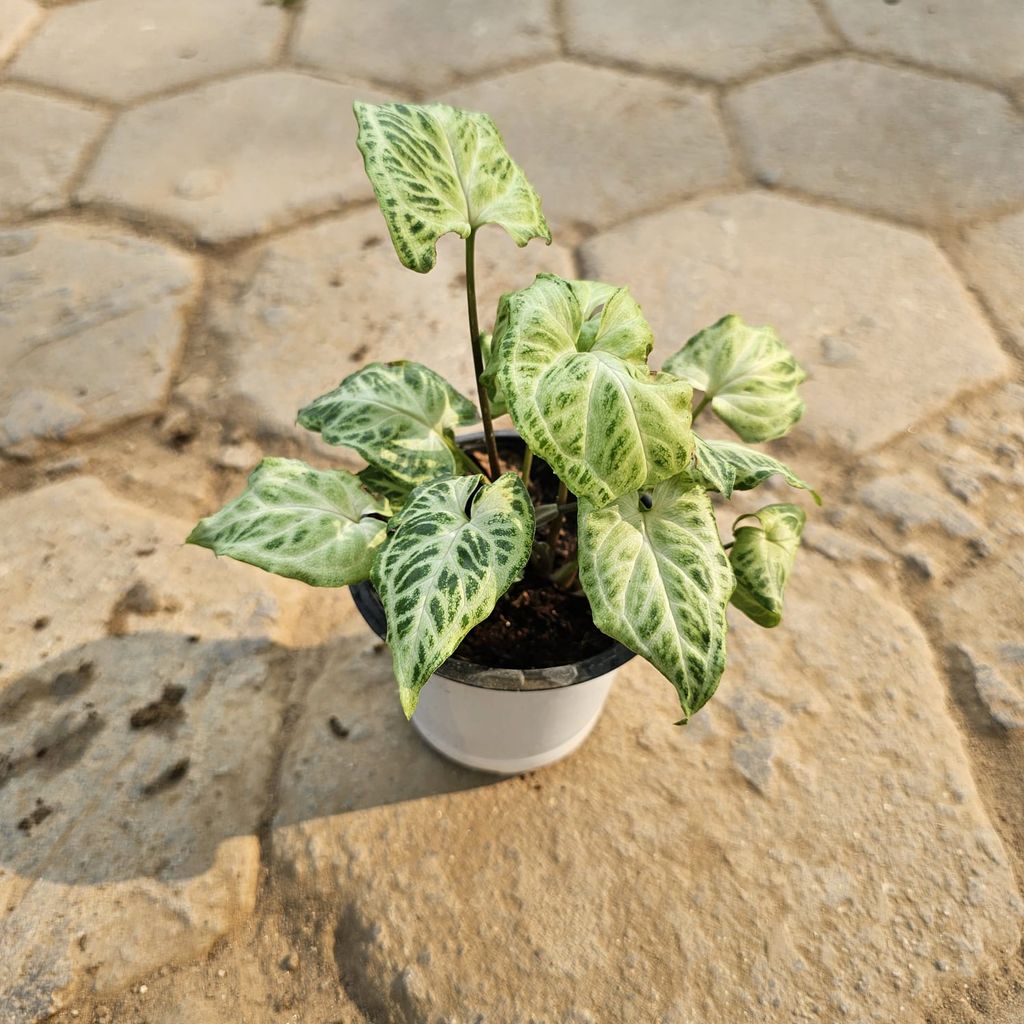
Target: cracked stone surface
876, 367
629, 168
234, 158
891, 142
719, 42
304, 311
983, 40
993, 257
44, 140
211, 808
121, 50
90, 329
836, 871
437, 43
17, 19
125, 846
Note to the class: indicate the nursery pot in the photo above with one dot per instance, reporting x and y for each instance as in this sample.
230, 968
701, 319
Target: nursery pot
506, 720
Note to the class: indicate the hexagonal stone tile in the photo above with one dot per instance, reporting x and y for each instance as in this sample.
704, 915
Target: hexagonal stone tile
17, 18
120, 50
833, 862
993, 256
303, 311
874, 313
985, 40
894, 142
90, 329
234, 158
422, 46
139, 708
601, 145
720, 41
44, 140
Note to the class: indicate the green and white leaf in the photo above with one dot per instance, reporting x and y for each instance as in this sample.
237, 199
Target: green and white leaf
452, 551
398, 416
725, 466
437, 169
659, 581
320, 526
584, 401
489, 377
380, 482
762, 558
748, 375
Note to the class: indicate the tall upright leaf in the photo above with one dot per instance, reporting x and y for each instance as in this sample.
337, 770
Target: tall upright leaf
762, 557
320, 526
399, 416
726, 466
437, 169
452, 551
748, 375
658, 580
581, 395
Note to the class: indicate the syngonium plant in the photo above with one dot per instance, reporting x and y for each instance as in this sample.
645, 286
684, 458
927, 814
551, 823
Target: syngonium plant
440, 538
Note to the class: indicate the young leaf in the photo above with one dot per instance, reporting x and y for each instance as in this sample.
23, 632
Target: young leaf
399, 417
725, 466
452, 551
583, 399
489, 376
316, 525
658, 580
436, 169
749, 376
762, 557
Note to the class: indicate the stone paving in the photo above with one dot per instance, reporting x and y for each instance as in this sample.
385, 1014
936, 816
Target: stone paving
211, 809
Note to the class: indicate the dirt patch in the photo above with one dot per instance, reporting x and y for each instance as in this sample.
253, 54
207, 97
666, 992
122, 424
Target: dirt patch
36, 816
167, 779
165, 711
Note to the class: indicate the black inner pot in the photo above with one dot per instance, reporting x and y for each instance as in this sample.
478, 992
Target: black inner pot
538, 636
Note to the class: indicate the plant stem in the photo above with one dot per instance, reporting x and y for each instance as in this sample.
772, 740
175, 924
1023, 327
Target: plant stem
700, 408
556, 526
478, 356
527, 465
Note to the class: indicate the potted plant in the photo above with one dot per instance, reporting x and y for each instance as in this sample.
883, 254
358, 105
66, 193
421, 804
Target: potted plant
512, 573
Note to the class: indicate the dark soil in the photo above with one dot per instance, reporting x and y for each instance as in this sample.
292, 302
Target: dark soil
536, 624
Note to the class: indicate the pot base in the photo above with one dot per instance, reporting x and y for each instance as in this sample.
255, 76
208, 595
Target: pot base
506, 732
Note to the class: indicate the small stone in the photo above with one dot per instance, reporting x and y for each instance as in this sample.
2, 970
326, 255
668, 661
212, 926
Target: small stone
143, 989
913, 502
244, 456
719, 41
276, 137
437, 45
44, 140
121, 50
632, 168
879, 138
221, 973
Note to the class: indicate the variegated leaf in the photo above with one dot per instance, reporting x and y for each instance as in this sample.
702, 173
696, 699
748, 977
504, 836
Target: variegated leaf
726, 466
320, 526
489, 377
762, 558
748, 375
437, 169
398, 416
452, 551
659, 581
380, 482
583, 399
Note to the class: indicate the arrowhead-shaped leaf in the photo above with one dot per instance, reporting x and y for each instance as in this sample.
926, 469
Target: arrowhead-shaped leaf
581, 395
659, 581
452, 551
726, 466
748, 375
762, 557
398, 416
316, 525
436, 169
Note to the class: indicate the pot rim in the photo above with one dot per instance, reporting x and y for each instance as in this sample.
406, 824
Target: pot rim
488, 677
